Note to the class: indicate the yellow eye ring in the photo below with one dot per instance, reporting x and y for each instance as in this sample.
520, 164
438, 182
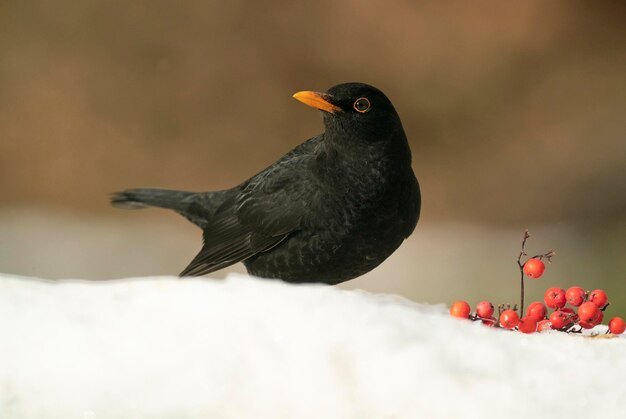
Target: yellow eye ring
361, 105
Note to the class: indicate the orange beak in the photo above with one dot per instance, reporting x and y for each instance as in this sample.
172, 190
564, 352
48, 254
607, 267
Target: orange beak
317, 100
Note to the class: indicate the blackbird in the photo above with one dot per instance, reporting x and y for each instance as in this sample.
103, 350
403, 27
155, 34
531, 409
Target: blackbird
331, 209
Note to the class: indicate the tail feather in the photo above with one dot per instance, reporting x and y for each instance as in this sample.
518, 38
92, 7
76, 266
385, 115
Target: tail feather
146, 197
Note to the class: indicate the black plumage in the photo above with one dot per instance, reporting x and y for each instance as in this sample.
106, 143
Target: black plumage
328, 211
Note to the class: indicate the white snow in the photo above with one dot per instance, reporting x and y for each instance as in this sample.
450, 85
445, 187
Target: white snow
247, 348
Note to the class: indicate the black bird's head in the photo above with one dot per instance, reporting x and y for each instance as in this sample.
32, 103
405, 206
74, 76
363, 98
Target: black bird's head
355, 111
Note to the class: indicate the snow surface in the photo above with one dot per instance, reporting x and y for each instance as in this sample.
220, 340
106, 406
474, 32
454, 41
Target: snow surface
247, 348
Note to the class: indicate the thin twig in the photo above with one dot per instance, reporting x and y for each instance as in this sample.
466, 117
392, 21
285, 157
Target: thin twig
522, 253
521, 270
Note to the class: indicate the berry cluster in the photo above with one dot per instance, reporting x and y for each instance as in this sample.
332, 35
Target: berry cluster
589, 306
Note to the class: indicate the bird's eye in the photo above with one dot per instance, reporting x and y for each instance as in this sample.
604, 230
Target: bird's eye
361, 105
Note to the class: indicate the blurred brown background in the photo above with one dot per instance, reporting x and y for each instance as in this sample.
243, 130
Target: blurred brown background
515, 114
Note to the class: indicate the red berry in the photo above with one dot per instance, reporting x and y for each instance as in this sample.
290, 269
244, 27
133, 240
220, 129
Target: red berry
559, 319
617, 325
537, 311
484, 309
593, 322
599, 298
575, 296
588, 312
598, 319
571, 313
460, 309
555, 297
533, 268
509, 319
527, 324
491, 321
586, 325
543, 325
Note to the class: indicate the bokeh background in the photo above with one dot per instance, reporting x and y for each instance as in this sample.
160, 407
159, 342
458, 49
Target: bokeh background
515, 113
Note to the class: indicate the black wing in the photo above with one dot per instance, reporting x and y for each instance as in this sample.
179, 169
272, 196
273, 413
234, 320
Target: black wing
260, 213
